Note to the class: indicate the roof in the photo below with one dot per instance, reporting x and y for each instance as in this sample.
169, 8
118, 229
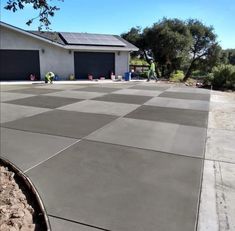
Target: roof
83, 41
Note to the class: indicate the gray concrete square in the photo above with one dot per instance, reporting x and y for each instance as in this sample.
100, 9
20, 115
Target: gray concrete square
7, 96
220, 145
185, 95
62, 225
76, 94
101, 107
10, 112
62, 87
35, 90
171, 115
26, 149
4, 87
138, 92
188, 90
151, 87
120, 188
44, 101
62, 123
179, 103
98, 89
119, 85
165, 137
132, 99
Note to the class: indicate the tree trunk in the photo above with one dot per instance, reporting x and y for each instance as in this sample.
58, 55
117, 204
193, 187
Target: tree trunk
189, 71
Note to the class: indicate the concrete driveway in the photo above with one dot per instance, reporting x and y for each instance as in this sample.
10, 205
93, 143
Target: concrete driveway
117, 156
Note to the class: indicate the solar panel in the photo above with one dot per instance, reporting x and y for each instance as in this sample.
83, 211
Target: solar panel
91, 39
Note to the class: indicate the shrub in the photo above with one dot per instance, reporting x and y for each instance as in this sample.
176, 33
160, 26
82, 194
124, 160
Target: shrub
144, 74
222, 76
177, 76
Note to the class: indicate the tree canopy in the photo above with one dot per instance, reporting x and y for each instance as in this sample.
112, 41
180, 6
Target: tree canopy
43, 7
176, 44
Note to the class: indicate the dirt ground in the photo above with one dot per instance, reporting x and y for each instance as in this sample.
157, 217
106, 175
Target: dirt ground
15, 212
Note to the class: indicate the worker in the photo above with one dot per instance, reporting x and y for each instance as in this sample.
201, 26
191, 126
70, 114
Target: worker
49, 77
152, 71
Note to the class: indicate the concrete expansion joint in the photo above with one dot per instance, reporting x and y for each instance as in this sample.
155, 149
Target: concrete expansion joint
56, 154
77, 222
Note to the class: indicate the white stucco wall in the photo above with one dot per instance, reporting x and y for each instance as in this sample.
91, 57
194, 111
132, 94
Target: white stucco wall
54, 58
121, 62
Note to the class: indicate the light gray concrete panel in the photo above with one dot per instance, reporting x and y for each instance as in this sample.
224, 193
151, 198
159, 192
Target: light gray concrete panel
35, 91
58, 86
62, 225
4, 87
171, 115
218, 197
44, 101
76, 94
119, 84
98, 89
220, 119
26, 149
62, 123
100, 107
138, 92
151, 135
151, 87
188, 90
7, 96
10, 112
132, 99
222, 97
178, 103
220, 145
184, 95
120, 188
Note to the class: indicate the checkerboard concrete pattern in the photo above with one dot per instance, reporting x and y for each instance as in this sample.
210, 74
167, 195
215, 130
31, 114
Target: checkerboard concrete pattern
115, 156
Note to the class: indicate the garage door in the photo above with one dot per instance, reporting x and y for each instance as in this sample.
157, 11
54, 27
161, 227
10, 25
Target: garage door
94, 63
19, 64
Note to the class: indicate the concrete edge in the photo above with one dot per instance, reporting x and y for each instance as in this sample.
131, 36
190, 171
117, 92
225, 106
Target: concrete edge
32, 189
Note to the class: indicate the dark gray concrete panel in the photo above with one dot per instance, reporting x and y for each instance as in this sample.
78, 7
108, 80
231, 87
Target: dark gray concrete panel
120, 188
62, 225
98, 89
132, 99
26, 149
185, 95
44, 101
171, 115
62, 123
35, 91
151, 87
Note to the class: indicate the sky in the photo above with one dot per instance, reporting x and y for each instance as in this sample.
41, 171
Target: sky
118, 16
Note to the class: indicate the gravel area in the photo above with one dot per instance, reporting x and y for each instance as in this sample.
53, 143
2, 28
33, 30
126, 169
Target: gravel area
15, 212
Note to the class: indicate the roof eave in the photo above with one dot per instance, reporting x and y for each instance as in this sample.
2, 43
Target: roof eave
29, 34
99, 48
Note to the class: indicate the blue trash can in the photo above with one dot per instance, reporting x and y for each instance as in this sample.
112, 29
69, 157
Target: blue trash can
127, 76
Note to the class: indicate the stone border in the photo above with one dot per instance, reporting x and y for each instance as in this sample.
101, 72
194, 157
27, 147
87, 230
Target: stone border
38, 203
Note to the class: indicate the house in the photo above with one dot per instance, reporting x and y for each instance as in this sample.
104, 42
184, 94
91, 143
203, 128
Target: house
80, 54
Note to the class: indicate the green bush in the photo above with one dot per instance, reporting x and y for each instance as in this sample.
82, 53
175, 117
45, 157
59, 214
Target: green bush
222, 76
144, 74
198, 73
177, 76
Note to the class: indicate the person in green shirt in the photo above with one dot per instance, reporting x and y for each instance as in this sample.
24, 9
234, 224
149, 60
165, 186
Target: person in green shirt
49, 77
152, 72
